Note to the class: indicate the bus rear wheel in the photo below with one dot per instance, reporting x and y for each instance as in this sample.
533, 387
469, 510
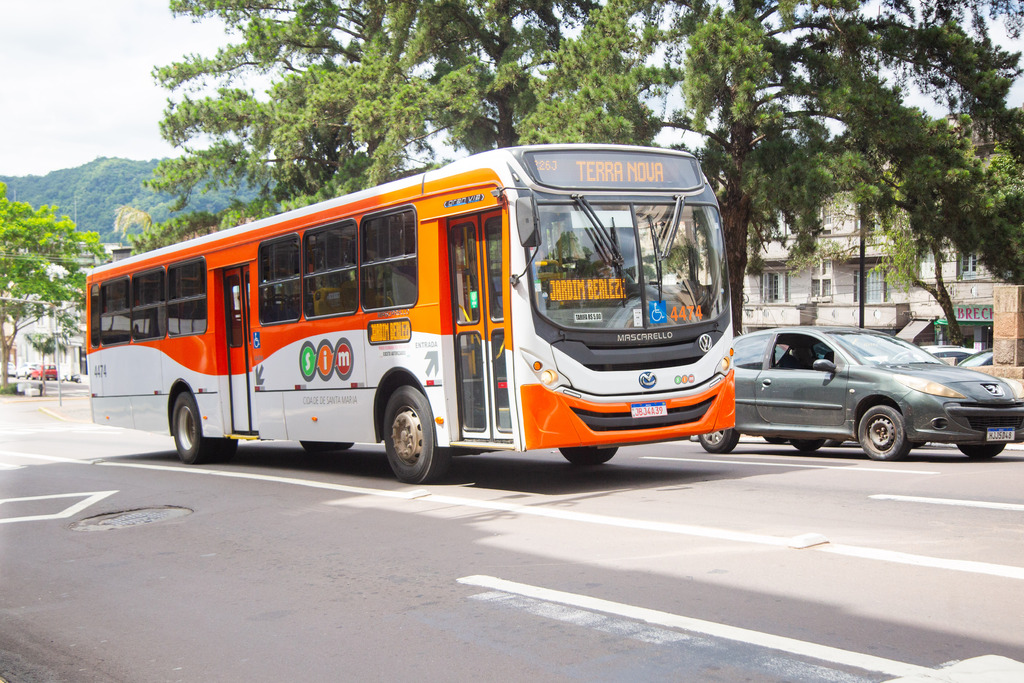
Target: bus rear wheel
410, 441
194, 448
588, 455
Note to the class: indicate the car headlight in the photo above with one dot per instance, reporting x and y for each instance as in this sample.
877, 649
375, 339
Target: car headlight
926, 386
1015, 386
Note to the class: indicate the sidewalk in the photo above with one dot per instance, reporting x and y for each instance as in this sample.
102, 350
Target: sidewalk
70, 409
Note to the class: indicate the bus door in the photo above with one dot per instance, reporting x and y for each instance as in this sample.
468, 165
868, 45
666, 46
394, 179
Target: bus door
478, 284
236, 311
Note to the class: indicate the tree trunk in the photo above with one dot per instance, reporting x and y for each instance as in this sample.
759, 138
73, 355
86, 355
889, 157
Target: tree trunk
941, 294
736, 206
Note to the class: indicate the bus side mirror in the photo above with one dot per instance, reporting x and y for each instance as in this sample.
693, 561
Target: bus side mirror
526, 222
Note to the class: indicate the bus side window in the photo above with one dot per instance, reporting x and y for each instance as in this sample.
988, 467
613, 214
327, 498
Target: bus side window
279, 290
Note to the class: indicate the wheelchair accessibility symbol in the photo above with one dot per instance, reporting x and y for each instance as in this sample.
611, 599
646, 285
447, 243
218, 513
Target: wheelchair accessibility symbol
657, 312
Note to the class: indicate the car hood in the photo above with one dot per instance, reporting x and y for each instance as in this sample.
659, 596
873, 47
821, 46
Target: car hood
976, 386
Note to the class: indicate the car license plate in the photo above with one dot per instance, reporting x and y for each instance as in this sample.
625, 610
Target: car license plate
654, 409
1001, 434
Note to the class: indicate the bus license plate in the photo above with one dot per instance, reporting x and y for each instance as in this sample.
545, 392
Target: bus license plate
1001, 434
655, 409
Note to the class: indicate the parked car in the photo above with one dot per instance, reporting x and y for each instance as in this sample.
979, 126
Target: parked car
977, 359
949, 354
12, 371
50, 373
25, 370
812, 384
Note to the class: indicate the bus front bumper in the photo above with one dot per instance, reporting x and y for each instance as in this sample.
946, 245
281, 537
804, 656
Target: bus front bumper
552, 419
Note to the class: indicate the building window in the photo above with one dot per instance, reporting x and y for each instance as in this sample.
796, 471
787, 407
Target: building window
770, 291
821, 288
968, 266
876, 289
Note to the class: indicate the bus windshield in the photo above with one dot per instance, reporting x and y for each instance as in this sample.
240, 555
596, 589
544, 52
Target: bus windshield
629, 265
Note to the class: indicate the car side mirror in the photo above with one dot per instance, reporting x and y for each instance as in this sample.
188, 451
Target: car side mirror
824, 365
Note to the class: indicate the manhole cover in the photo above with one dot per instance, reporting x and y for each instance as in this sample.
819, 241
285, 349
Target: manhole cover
122, 520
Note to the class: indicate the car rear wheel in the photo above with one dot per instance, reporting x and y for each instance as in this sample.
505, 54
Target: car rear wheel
883, 435
807, 445
722, 441
588, 455
982, 451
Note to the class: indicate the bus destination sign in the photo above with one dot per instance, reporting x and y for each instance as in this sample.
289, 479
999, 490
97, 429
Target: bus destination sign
591, 289
389, 331
614, 170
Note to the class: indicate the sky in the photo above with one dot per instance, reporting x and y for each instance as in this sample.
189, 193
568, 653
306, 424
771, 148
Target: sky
77, 79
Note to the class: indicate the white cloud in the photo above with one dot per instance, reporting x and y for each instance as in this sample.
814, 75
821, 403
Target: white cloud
78, 80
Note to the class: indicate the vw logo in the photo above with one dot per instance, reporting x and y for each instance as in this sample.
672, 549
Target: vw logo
993, 389
705, 342
648, 380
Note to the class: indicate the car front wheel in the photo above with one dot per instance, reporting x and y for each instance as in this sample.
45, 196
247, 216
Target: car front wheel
883, 435
982, 451
722, 441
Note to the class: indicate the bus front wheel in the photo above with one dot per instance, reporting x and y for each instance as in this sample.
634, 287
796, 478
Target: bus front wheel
409, 439
588, 455
194, 448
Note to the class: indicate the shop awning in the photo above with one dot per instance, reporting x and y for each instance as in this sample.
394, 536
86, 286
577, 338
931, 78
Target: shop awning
913, 329
963, 323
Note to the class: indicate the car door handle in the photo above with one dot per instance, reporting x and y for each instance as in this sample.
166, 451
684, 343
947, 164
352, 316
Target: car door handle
766, 382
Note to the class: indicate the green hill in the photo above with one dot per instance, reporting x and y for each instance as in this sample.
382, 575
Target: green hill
90, 194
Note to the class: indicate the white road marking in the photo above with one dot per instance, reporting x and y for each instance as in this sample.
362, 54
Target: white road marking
91, 498
951, 501
759, 463
793, 646
796, 542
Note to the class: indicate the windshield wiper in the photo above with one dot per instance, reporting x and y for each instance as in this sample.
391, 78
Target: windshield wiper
673, 225
604, 239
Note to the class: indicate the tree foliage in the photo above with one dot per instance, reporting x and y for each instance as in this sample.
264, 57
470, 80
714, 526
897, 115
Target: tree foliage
786, 103
40, 258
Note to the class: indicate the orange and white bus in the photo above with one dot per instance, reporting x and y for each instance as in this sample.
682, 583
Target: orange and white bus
555, 296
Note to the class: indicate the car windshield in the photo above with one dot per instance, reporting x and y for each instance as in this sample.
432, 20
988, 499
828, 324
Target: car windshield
877, 349
629, 265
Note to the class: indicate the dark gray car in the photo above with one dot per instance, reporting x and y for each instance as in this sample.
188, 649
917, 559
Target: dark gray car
807, 385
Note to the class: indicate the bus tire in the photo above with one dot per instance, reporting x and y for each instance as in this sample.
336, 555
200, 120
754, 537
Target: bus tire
313, 447
588, 455
186, 427
721, 441
410, 441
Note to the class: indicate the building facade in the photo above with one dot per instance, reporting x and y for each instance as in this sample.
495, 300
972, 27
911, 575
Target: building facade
828, 293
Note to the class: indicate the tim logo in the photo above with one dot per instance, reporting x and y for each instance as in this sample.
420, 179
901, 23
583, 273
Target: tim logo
993, 389
648, 380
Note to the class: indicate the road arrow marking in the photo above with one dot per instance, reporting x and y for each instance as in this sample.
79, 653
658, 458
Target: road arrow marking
90, 498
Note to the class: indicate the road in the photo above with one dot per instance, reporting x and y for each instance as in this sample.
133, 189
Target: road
119, 564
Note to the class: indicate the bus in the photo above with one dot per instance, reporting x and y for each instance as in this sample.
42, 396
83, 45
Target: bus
570, 297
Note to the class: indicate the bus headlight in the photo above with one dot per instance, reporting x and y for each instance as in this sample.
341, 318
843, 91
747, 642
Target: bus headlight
725, 365
549, 377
